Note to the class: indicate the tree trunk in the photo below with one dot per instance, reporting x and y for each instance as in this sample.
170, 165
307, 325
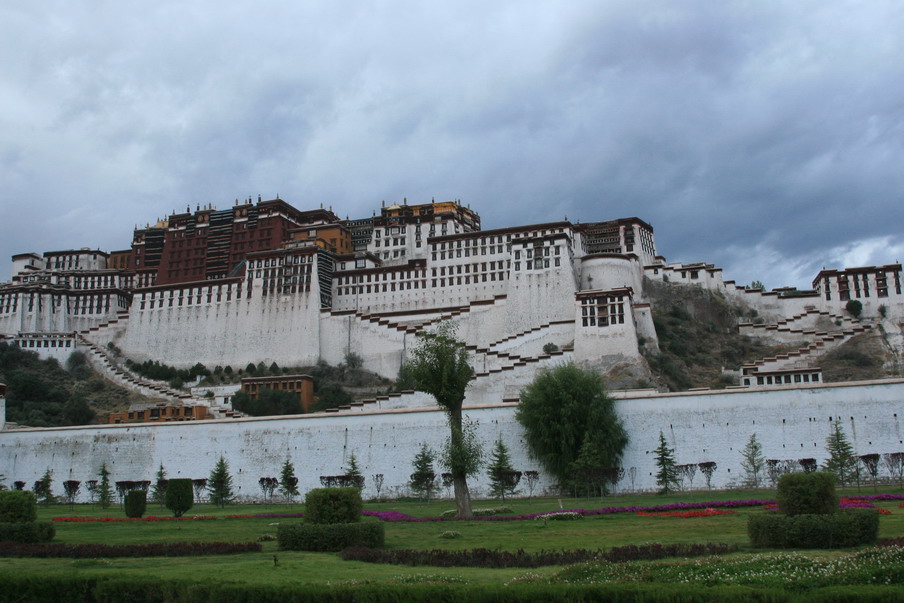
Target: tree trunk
462, 496
459, 478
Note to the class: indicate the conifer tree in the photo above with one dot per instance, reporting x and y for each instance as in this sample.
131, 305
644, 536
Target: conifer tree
841, 461
105, 491
219, 484
158, 490
44, 488
352, 469
753, 461
503, 478
667, 474
423, 479
288, 482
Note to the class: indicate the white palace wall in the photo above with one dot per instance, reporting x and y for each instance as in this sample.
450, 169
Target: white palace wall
700, 426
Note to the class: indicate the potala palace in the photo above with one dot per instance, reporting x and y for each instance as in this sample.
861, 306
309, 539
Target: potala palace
265, 282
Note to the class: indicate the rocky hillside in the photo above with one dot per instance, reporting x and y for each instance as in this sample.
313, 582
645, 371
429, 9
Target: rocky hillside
700, 346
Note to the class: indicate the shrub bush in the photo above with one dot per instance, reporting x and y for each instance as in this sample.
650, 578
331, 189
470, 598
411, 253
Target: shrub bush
18, 506
31, 531
330, 537
847, 528
136, 503
807, 493
333, 505
180, 496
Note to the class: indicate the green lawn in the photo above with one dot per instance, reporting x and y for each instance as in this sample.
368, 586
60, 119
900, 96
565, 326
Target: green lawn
293, 568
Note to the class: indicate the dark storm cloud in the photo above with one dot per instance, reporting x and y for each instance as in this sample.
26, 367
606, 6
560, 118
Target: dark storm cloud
763, 137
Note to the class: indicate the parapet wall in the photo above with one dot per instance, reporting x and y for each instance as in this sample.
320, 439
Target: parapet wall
701, 426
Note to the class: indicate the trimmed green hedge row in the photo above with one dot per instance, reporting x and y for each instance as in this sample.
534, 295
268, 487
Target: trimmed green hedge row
17, 506
35, 531
846, 528
136, 503
330, 537
807, 494
333, 505
72, 588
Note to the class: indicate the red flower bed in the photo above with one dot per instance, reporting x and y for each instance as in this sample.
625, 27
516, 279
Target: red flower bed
687, 514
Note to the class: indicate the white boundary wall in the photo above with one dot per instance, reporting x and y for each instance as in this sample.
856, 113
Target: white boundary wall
701, 426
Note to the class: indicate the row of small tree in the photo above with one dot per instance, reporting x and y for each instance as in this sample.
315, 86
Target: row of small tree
842, 462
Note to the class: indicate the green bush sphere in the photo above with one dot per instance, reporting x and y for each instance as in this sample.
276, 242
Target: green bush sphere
807, 493
333, 505
136, 503
18, 506
180, 496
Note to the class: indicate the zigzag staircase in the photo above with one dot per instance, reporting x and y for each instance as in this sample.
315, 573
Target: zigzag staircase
806, 356
120, 375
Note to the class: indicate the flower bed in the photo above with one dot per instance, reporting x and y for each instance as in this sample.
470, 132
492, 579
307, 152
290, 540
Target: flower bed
687, 514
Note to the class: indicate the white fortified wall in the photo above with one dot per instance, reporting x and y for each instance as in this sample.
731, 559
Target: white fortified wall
701, 426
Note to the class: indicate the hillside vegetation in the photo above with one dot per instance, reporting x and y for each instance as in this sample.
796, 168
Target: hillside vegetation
41, 393
698, 338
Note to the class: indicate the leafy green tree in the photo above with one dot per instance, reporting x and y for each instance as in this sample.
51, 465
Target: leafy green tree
667, 471
756, 286
158, 490
842, 461
753, 461
559, 409
587, 472
854, 307
503, 477
104, 490
423, 479
268, 402
288, 482
439, 366
219, 484
77, 412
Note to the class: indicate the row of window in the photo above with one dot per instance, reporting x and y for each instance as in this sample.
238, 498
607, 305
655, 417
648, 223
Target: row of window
43, 343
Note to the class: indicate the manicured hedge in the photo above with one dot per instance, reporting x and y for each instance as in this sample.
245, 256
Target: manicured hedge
333, 505
74, 587
136, 503
17, 506
807, 494
846, 528
330, 537
493, 559
159, 549
34, 531
180, 496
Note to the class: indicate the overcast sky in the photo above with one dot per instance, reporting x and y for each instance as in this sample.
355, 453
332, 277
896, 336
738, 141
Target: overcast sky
763, 137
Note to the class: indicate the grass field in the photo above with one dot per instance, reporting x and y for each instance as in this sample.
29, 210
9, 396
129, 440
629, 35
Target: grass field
298, 569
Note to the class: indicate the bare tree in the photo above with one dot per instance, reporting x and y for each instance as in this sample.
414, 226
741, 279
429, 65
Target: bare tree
707, 468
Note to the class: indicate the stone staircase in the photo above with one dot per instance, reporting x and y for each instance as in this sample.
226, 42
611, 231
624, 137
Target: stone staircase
502, 383
806, 356
105, 365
